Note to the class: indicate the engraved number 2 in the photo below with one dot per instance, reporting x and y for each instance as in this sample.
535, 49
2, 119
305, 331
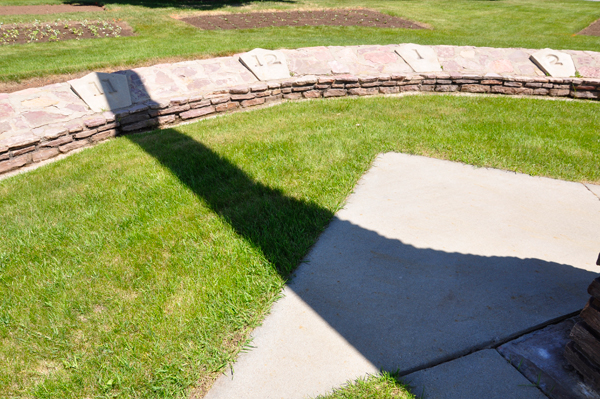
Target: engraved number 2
553, 60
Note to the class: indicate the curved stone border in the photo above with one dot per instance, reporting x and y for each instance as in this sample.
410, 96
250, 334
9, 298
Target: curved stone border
39, 124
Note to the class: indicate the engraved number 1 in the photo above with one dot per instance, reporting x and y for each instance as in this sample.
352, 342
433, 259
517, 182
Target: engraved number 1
95, 89
106, 83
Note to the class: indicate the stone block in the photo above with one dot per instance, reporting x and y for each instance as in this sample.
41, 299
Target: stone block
363, 91
475, 88
21, 141
177, 101
253, 102
163, 120
491, 82
104, 135
103, 91
85, 134
275, 97
134, 118
239, 90
266, 64
226, 107
23, 151
402, 88
220, 99
95, 122
346, 79
334, 93
503, 90
108, 126
45, 154
371, 84
559, 92
302, 88
242, 97
419, 58
58, 142
312, 94
172, 110
12, 164
140, 125
197, 112
554, 63
259, 87
393, 89
73, 146
292, 96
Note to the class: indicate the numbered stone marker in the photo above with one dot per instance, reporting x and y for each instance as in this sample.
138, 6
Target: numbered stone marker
103, 91
266, 64
554, 63
419, 58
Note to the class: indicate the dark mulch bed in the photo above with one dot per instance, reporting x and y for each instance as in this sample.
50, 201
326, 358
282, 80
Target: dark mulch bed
48, 9
592, 30
64, 30
339, 17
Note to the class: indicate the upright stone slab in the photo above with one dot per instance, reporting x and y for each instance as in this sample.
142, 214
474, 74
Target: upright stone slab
266, 64
103, 91
419, 58
554, 63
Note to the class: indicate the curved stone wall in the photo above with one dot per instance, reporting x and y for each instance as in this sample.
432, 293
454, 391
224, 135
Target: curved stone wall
42, 123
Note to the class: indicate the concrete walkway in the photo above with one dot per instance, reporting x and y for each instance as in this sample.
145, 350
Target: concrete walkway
429, 264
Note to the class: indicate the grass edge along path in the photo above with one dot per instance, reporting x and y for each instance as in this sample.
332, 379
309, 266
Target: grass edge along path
136, 268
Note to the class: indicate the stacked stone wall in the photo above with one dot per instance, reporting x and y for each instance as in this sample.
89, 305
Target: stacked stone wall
54, 140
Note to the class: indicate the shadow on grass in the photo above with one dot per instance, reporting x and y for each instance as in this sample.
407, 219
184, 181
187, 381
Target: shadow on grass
283, 228
398, 305
206, 5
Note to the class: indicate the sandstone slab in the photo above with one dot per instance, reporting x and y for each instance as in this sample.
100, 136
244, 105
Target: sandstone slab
484, 374
554, 63
266, 64
420, 58
103, 91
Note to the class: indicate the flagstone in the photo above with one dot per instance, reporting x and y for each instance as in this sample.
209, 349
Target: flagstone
306, 61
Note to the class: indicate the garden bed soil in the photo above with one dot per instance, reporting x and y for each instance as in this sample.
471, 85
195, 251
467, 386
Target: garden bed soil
48, 9
592, 30
63, 30
335, 17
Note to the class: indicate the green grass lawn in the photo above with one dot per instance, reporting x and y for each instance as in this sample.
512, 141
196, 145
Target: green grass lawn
501, 23
136, 268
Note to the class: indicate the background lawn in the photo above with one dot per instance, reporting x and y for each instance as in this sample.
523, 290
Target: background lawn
136, 268
501, 23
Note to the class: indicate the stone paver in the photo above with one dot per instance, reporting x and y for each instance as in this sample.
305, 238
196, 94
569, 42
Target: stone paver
429, 260
484, 374
539, 356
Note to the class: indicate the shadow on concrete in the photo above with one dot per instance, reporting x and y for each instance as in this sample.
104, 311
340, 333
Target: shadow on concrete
400, 306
